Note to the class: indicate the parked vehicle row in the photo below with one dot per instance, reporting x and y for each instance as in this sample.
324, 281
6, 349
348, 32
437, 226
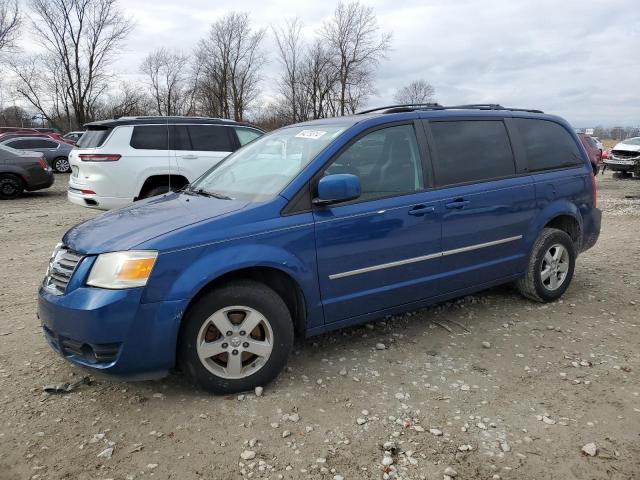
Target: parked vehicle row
120, 161
21, 171
310, 228
11, 132
56, 153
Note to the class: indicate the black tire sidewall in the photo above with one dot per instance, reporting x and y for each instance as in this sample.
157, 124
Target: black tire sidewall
556, 237
246, 293
156, 191
15, 182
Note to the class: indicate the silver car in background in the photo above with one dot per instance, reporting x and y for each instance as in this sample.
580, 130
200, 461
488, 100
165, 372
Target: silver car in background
625, 157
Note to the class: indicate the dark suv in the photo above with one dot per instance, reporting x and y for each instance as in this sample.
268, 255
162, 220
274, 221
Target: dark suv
318, 226
20, 170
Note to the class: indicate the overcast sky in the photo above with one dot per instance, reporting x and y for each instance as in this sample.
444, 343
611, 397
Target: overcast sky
578, 59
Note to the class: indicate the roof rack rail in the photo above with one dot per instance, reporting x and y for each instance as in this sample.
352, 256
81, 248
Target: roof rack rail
410, 107
405, 107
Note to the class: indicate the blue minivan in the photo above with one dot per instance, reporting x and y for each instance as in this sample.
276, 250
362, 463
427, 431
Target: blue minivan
318, 226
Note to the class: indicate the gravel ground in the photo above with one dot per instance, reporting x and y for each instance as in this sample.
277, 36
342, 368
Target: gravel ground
490, 386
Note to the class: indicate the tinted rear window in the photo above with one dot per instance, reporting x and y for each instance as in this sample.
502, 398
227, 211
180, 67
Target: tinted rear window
547, 144
471, 151
150, 137
93, 137
210, 138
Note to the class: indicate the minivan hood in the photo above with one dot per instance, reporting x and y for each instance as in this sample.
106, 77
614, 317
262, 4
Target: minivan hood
127, 227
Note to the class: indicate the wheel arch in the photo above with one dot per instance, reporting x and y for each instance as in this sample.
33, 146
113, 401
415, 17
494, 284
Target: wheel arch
159, 180
280, 281
564, 216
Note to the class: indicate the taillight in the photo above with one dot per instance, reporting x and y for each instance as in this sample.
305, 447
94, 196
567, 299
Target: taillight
43, 164
99, 157
594, 190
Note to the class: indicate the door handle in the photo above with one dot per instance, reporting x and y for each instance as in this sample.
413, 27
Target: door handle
189, 157
457, 204
419, 210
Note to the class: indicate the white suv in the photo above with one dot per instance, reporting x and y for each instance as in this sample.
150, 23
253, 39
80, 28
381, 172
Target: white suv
119, 161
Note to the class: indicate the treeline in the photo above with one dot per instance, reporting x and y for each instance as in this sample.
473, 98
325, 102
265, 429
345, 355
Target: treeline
71, 83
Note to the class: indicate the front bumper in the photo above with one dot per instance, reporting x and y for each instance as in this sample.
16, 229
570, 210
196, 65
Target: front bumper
620, 165
111, 331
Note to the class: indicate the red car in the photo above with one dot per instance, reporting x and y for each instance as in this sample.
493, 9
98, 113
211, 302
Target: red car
595, 154
30, 132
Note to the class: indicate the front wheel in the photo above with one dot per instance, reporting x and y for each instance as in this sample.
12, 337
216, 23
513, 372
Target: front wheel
236, 338
61, 165
550, 268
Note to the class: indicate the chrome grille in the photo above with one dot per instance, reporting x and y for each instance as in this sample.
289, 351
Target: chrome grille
62, 264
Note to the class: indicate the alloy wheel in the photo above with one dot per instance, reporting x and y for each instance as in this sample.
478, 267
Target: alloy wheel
235, 342
555, 266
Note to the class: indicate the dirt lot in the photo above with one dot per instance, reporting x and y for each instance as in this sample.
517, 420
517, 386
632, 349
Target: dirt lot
551, 379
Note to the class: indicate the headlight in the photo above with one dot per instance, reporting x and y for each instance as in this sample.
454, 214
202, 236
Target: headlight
122, 269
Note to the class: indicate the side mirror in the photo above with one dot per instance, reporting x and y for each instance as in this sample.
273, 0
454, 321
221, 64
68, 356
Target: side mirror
339, 187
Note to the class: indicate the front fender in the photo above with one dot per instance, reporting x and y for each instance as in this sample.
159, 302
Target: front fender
180, 275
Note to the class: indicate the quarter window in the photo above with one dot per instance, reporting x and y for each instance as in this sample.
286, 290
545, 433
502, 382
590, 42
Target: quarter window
150, 137
387, 161
547, 144
471, 151
245, 135
210, 138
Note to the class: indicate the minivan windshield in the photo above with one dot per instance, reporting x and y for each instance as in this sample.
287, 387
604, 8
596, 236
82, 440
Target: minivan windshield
261, 169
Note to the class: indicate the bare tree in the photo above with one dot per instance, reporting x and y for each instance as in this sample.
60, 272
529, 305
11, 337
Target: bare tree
9, 23
357, 44
167, 72
290, 52
418, 91
128, 101
319, 82
230, 62
80, 38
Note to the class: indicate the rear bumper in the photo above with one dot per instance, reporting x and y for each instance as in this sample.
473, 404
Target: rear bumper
111, 332
43, 181
74, 195
591, 229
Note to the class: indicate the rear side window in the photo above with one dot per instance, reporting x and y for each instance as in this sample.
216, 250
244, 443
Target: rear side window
179, 139
547, 144
471, 151
150, 137
19, 144
93, 137
210, 138
43, 144
245, 135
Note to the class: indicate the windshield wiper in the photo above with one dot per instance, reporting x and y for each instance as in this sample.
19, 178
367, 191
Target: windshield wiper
205, 193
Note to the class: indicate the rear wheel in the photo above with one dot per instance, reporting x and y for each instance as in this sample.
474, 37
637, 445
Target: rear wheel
236, 338
61, 165
550, 268
10, 187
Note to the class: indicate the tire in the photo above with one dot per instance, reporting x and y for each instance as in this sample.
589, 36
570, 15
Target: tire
61, 165
228, 372
10, 187
534, 285
155, 191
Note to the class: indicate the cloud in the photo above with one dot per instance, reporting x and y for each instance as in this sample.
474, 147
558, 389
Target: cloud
573, 58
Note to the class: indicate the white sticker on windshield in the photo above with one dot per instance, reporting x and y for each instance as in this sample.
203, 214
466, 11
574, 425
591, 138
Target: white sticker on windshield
312, 134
